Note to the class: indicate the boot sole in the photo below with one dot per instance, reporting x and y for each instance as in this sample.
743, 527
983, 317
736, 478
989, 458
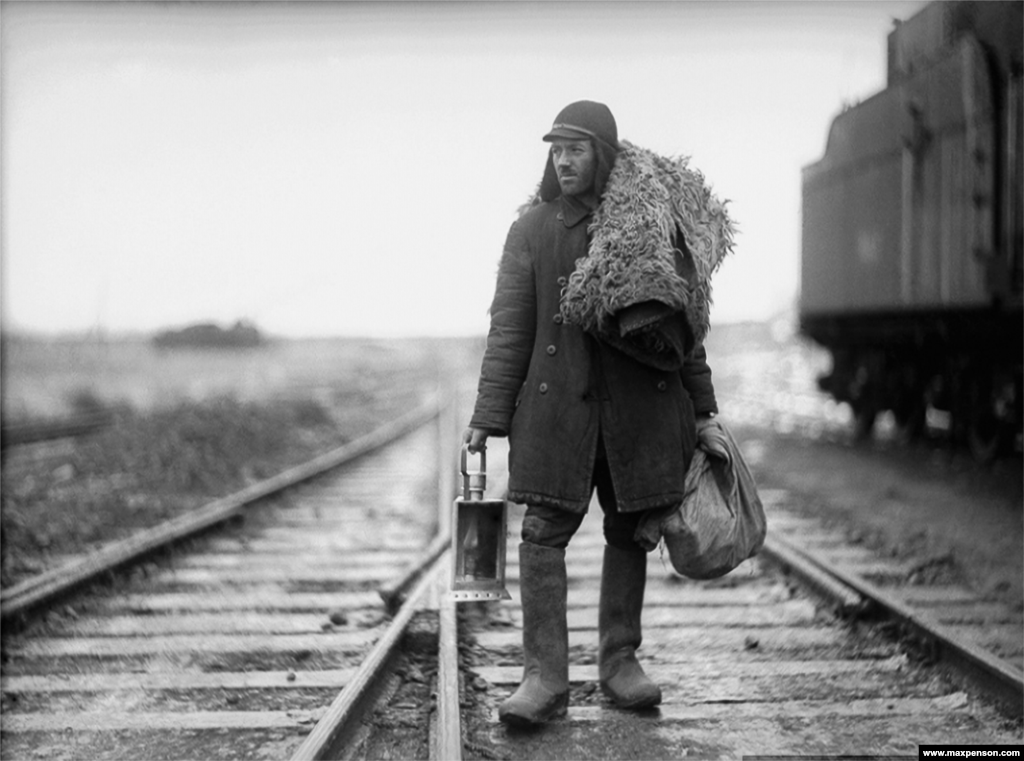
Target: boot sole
558, 711
636, 704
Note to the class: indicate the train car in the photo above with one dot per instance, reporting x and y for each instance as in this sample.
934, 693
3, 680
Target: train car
911, 270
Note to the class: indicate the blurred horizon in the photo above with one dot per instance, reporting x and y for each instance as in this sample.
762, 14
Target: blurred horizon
351, 169
787, 316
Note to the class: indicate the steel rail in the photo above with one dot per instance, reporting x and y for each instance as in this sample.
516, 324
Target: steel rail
51, 584
446, 742
446, 739
446, 725
336, 731
1000, 680
395, 592
77, 425
846, 599
335, 726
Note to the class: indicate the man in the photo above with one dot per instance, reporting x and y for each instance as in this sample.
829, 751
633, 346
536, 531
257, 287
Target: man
595, 370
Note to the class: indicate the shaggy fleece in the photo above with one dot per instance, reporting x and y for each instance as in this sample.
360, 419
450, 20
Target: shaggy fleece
647, 200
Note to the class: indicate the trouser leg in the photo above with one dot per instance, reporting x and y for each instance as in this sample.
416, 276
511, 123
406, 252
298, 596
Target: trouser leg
544, 692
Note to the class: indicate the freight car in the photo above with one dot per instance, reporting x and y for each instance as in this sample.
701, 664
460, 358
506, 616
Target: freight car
911, 272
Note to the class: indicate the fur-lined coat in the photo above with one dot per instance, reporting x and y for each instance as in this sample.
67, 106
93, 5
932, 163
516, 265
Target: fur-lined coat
596, 330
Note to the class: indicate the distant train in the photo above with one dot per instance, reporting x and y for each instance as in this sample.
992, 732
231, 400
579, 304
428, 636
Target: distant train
911, 268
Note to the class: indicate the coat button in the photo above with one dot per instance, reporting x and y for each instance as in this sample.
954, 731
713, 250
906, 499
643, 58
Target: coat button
662, 385
552, 349
543, 388
562, 281
558, 318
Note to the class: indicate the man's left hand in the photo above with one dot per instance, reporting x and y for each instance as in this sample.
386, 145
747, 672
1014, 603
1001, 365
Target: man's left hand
711, 437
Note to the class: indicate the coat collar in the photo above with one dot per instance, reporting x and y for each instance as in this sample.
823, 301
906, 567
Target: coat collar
573, 211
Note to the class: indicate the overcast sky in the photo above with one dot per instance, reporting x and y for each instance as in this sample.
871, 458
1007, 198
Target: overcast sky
353, 168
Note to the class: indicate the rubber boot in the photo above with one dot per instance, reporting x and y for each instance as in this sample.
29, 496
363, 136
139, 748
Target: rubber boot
623, 578
544, 692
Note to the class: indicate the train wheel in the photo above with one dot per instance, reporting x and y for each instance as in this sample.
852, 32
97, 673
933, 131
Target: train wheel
982, 428
911, 417
864, 414
983, 438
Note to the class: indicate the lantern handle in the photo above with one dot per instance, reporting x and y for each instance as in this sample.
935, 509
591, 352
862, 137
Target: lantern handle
474, 482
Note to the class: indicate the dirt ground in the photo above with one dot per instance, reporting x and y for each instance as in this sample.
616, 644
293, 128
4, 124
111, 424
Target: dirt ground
922, 504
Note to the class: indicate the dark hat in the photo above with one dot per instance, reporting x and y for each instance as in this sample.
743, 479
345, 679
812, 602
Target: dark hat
585, 119
581, 120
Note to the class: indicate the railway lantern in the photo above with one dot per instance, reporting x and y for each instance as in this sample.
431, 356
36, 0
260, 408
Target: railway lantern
478, 538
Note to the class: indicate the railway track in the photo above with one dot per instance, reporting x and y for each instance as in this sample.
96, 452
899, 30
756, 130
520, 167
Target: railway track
767, 661
270, 639
240, 644
19, 435
923, 599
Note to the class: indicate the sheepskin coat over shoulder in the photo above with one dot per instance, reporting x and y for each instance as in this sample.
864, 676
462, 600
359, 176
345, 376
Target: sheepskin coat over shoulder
649, 201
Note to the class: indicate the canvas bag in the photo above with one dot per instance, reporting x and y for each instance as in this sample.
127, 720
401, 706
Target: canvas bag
720, 522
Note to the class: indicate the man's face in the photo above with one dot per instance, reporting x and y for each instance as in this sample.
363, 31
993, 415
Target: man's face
575, 164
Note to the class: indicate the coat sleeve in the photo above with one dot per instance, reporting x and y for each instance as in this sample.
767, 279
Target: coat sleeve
696, 375
510, 339
652, 332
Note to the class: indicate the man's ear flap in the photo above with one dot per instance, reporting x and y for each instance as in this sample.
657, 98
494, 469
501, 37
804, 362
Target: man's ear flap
549, 187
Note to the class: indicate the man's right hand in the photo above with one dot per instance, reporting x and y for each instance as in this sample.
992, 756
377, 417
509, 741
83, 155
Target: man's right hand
476, 438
